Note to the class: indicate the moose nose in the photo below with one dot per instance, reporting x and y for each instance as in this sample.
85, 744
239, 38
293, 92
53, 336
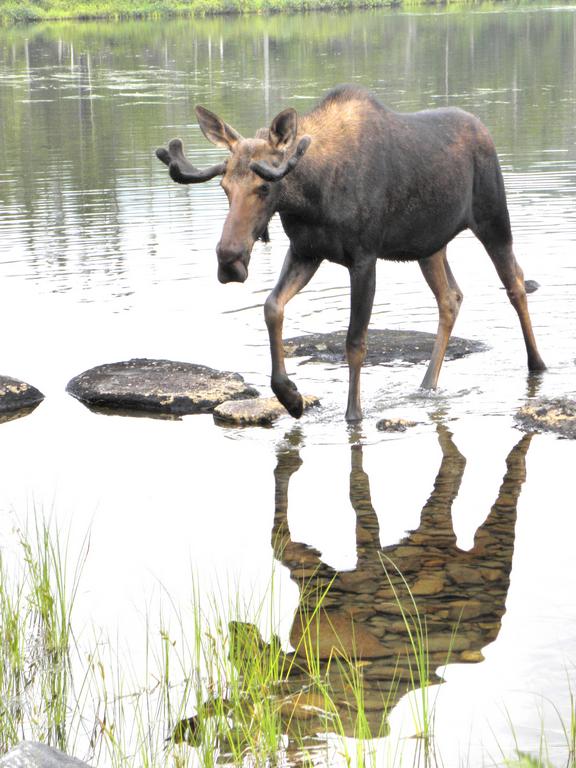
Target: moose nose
232, 263
234, 272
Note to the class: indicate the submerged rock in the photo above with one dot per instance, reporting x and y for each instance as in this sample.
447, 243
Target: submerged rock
394, 425
530, 286
258, 411
557, 415
158, 386
32, 754
384, 346
17, 398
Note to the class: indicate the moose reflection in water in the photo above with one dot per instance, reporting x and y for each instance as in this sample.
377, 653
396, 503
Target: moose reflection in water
351, 630
460, 595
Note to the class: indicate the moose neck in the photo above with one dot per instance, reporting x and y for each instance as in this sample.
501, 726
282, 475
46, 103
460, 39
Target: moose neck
300, 190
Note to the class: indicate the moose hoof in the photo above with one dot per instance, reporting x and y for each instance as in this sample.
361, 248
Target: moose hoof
289, 396
293, 402
536, 365
354, 416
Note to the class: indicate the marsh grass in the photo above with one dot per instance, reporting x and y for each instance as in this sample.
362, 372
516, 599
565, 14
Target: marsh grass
36, 602
213, 685
418, 657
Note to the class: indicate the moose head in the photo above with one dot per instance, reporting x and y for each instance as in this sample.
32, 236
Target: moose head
250, 179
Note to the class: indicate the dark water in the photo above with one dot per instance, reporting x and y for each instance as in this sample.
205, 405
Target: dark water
103, 258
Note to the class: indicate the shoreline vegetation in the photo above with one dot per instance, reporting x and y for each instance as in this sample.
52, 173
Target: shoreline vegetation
206, 688
25, 11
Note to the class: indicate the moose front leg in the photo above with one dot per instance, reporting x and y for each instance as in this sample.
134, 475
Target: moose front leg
362, 288
294, 276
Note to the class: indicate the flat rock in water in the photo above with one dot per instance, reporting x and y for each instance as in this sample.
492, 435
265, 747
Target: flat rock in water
384, 346
32, 754
16, 395
158, 386
259, 411
558, 415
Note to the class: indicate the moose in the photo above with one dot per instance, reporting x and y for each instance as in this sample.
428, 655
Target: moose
353, 182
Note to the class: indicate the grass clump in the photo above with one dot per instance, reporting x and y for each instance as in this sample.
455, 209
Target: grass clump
36, 601
214, 686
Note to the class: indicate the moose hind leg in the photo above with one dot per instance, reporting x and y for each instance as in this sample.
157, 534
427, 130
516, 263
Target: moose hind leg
362, 289
439, 277
512, 278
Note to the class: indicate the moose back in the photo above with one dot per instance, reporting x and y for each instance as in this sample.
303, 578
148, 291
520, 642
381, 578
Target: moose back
353, 182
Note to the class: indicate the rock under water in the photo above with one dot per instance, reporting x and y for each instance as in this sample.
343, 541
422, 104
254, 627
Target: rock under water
384, 346
556, 415
394, 425
158, 386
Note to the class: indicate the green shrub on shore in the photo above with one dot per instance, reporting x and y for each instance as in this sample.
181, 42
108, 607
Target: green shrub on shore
18, 11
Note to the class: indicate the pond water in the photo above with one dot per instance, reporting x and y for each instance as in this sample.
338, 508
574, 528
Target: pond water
103, 258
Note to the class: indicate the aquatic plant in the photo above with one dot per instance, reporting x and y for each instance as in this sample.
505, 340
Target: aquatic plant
217, 686
36, 601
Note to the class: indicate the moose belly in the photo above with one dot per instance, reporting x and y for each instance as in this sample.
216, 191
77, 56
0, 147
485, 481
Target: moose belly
318, 242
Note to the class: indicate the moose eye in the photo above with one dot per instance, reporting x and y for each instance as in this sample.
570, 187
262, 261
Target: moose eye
263, 190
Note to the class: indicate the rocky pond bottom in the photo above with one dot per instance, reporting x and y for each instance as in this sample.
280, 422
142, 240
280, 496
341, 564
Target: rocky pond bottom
179, 388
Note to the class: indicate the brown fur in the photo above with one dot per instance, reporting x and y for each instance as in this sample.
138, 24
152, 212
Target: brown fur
334, 127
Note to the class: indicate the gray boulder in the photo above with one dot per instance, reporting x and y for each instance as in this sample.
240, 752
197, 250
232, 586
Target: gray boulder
17, 398
32, 754
158, 386
384, 346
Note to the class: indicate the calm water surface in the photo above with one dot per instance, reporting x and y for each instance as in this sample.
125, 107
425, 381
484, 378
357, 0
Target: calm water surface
103, 258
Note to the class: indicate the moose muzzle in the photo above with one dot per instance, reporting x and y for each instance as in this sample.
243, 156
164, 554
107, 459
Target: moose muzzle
232, 264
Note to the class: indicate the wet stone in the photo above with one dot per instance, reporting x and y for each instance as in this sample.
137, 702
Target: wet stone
384, 346
158, 386
394, 425
557, 415
17, 398
32, 754
531, 286
259, 411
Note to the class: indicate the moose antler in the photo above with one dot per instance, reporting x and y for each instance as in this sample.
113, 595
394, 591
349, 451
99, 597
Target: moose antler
181, 169
269, 173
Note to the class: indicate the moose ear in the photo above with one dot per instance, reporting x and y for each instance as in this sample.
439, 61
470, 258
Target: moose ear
216, 130
284, 128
